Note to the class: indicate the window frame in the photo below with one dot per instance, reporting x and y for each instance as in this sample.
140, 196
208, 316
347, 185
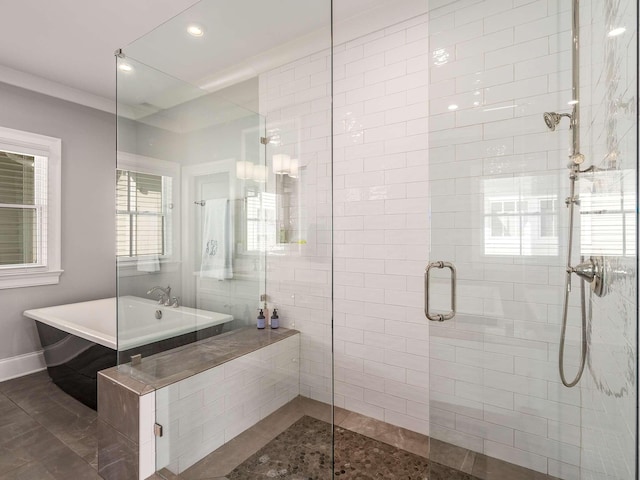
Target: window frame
30, 143
153, 166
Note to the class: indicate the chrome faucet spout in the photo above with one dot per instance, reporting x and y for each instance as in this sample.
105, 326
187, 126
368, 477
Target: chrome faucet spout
165, 296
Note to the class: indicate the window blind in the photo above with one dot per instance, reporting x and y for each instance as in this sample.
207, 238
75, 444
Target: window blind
23, 201
140, 218
608, 213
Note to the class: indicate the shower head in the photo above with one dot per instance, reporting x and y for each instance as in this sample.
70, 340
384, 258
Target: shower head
552, 119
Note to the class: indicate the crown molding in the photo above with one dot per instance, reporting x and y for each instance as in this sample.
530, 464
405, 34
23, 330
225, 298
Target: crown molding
34, 83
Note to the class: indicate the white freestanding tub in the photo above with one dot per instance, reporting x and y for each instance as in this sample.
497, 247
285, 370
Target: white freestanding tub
80, 339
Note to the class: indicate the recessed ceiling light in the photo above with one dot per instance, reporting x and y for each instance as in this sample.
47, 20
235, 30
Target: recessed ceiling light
616, 31
195, 30
125, 67
453, 106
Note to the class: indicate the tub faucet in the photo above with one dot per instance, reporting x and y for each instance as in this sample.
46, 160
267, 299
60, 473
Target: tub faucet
165, 296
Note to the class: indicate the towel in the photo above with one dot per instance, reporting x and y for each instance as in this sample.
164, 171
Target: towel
216, 240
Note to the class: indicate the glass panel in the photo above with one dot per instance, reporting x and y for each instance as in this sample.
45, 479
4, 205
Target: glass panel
170, 195
224, 401
380, 181
501, 207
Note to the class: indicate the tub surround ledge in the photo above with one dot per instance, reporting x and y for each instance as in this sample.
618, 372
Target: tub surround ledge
124, 448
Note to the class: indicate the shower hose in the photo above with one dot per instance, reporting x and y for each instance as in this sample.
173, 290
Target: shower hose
567, 290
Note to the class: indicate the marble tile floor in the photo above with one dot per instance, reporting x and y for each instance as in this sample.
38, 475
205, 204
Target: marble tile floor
44, 433
468, 465
47, 435
304, 450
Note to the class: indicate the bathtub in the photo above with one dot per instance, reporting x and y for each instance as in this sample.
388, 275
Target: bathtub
80, 339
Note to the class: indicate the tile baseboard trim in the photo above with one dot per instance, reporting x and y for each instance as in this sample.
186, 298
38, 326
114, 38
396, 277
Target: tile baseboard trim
21, 365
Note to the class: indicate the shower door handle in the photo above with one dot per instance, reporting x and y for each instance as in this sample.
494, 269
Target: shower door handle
439, 317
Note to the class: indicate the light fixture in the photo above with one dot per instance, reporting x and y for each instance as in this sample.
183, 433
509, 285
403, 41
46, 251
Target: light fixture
248, 171
244, 170
195, 30
294, 168
281, 164
125, 67
453, 106
616, 31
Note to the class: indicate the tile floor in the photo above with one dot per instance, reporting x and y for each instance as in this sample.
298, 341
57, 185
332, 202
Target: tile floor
47, 435
470, 464
44, 433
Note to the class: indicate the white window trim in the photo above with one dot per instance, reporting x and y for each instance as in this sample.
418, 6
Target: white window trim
50, 147
127, 266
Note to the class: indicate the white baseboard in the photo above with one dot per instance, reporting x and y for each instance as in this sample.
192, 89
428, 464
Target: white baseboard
21, 365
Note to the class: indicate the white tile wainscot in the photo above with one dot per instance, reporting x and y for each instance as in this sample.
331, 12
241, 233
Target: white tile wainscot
205, 411
245, 376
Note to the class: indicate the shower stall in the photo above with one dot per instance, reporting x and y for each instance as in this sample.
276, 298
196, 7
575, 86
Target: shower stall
438, 197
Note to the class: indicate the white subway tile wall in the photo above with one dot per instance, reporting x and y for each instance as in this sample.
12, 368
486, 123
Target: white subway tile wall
381, 338
295, 100
483, 401
498, 177
450, 106
205, 411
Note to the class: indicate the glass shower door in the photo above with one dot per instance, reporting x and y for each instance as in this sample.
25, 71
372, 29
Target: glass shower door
499, 243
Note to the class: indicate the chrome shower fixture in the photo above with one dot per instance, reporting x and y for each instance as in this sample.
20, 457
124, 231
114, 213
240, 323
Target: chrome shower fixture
595, 272
552, 119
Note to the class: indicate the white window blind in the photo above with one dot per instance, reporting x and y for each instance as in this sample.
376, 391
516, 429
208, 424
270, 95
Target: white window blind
141, 201
23, 210
608, 213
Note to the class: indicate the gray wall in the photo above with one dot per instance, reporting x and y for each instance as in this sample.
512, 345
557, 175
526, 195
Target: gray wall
88, 231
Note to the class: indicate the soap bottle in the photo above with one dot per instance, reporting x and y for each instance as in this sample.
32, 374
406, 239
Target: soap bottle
275, 320
261, 320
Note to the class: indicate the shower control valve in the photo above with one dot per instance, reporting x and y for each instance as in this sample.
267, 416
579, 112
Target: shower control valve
595, 272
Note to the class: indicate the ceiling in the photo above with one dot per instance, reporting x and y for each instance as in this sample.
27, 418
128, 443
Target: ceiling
72, 42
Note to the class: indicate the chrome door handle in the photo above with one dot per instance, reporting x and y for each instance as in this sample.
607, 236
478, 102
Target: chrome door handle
440, 317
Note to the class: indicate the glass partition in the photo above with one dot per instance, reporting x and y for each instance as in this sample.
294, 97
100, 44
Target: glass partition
532, 191
190, 185
224, 195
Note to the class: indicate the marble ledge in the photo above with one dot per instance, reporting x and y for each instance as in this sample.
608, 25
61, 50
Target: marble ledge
172, 366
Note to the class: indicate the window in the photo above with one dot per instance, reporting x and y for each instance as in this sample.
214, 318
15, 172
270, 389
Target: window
261, 221
608, 213
141, 199
521, 216
146, 209
29, 209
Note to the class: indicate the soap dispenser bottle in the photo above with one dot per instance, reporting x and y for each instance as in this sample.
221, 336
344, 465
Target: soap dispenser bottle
261, 320
275, 320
